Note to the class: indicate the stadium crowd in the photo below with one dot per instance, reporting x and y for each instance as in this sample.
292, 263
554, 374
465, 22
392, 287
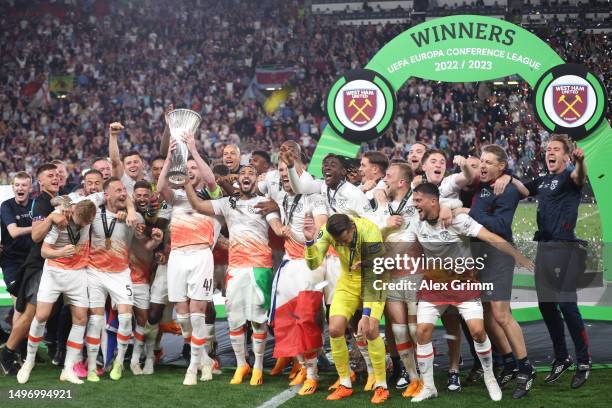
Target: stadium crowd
293, 254
128, 64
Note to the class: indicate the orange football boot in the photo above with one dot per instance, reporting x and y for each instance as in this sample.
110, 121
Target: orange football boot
381, 394
337, 383
281, 364
340, 393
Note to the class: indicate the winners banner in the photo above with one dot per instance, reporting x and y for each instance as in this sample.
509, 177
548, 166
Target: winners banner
567, 98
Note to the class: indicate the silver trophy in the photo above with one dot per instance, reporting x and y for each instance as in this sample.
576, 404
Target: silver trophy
181, 121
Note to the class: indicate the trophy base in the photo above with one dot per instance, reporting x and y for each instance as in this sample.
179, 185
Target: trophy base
177, 180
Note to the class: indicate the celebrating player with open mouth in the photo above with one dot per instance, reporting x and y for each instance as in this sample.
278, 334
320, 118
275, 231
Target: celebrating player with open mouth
249, 273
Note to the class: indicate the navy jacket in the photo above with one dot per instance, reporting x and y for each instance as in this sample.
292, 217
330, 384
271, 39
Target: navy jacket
495, 213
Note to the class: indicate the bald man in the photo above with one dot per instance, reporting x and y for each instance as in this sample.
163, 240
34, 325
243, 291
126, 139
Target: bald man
231, 158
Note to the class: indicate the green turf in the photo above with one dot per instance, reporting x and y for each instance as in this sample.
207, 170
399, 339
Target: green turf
164, 389
588, 226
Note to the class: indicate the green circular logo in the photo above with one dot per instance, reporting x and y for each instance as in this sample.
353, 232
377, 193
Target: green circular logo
570, 99
360, 105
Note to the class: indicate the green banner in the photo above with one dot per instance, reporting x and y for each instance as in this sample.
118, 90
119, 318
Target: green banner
469, 48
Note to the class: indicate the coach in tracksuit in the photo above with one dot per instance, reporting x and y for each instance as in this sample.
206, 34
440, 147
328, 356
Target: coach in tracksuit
561, 257
495, 212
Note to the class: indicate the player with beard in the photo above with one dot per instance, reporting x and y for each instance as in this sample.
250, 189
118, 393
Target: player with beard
443, 243
43, 218
190, 264
297, 295
108, 271
249, 273
142, 263
66, 252
130, 169
373, 167
342, 197
92, 183
270, 185
415, 157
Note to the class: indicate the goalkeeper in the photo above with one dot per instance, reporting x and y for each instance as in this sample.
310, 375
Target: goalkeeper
357, 241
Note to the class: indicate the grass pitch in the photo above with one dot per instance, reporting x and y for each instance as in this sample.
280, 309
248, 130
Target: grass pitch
164, 389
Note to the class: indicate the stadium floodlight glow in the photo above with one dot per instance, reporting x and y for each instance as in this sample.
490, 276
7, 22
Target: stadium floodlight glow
498, 83
513, 83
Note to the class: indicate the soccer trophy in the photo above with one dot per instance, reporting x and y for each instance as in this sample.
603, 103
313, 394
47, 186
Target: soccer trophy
180, 121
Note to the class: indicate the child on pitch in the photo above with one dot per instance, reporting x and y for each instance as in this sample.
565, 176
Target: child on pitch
66, 252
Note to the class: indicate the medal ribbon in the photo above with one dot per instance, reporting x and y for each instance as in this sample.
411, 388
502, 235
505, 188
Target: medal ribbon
331, 199
289, 216
74, 238
108, 231
401, 206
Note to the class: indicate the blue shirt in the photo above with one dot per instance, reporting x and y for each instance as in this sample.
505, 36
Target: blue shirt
15, 249
558, 201
495, 213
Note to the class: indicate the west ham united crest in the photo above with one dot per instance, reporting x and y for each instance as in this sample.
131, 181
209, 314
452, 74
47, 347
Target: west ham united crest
570, 99
360, 105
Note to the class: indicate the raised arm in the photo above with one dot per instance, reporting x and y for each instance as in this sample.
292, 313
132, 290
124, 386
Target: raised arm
579, 175
300, 180
207, 175
315, 250
164, 190
201, 206
165, 140
467, 175
113, 149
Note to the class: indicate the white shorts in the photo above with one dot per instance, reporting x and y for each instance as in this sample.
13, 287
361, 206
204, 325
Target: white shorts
332, 273
116, 284
159, 287
429, 313
247, 290
190, 275
70, 283
142, 295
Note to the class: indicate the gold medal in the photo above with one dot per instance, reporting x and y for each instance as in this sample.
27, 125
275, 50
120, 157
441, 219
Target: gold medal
108, 243
77, 250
